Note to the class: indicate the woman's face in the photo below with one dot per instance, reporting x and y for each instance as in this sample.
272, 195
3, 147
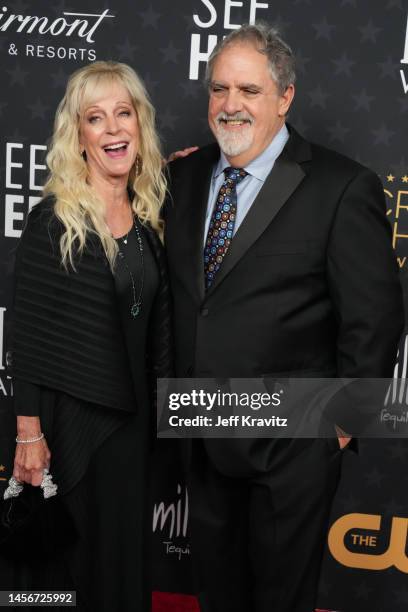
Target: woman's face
109, 133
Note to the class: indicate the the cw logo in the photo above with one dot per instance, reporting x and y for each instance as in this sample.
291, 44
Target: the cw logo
393, 556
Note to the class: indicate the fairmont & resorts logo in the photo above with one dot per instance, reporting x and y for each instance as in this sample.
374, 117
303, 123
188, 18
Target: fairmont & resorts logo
72, 25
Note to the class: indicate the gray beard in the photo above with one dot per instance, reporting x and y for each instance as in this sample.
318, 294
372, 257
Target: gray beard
234, 144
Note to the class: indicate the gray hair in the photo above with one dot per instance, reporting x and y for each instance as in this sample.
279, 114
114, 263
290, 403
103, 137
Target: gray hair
267, 40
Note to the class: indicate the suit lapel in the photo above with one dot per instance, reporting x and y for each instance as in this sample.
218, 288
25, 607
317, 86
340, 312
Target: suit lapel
201, 183
286, 175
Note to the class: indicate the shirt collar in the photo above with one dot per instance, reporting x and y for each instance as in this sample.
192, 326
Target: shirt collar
261, 165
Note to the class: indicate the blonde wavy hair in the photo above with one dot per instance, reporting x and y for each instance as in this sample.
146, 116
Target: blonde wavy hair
77, 205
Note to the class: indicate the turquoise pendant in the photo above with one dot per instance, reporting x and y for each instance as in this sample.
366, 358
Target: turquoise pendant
135, 310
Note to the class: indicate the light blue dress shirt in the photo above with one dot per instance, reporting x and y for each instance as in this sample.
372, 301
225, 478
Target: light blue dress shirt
247, 190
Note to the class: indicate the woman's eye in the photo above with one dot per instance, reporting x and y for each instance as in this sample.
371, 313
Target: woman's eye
93, 119
126, 113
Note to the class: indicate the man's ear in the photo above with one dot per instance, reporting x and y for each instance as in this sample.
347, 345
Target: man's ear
286, 100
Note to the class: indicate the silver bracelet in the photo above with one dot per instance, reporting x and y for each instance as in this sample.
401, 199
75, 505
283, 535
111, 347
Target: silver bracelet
40, 437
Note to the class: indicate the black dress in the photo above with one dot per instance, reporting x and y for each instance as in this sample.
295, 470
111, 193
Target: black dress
100, 461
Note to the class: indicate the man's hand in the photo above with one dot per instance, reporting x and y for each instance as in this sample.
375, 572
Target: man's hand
181, 153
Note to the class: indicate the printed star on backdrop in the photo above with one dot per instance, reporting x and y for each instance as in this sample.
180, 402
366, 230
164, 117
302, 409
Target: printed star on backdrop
190, 88
362, 591
18, 76
318, 97
374, 477
362, 100
167, 119
338, 132
59, 78
38, 110
170, 53
343, 65
382, 135
390, 178
150, 17
404, 178
389, 68
2, 468
369, 32
395, 3
323, 29
126, 50
301, 61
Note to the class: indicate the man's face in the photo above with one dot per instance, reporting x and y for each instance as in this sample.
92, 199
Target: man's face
245, 109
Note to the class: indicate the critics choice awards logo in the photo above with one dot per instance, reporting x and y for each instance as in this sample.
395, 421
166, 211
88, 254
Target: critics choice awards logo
76, 27
396, 192
207, 16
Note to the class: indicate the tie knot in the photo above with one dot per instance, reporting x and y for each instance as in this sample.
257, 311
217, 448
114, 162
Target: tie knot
235, 174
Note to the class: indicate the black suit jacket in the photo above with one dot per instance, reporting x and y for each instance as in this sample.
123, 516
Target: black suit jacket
309, 286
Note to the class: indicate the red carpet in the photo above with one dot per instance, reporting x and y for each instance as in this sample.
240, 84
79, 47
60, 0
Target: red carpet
175, 602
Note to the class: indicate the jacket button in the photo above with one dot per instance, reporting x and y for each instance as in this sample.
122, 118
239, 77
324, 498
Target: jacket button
204, 312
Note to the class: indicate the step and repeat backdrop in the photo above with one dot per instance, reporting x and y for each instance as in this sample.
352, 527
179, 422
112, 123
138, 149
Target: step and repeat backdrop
352, 95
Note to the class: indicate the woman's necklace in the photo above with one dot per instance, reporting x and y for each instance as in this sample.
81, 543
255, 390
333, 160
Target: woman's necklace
136, 306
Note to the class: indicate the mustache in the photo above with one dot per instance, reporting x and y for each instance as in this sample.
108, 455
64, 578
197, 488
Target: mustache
223, 117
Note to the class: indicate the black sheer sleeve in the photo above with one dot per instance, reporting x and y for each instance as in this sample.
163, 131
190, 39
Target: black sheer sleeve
26, 398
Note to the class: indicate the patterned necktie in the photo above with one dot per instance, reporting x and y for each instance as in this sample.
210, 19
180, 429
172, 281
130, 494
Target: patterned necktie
222, 223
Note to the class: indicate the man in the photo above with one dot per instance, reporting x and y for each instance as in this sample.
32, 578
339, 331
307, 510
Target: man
280, 264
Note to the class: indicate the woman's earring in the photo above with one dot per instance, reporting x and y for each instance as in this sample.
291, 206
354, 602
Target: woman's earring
138, 164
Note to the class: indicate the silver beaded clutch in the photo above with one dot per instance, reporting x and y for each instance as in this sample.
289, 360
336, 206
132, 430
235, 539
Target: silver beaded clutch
15, 487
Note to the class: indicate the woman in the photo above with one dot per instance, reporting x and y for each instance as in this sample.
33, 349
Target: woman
91, 333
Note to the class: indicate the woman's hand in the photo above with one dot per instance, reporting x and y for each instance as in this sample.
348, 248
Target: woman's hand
181, 153
30, 459
342, 437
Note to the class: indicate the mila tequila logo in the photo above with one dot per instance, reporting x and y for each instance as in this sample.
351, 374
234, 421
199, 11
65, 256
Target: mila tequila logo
2, 311
83, 25
171, 521
6, 389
